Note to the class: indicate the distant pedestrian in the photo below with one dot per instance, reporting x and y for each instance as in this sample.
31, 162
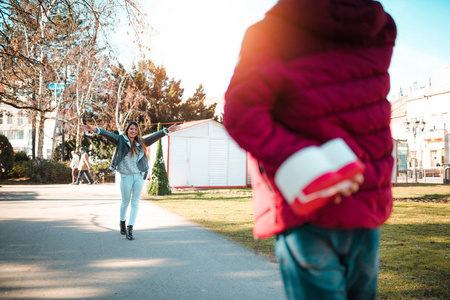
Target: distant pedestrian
308, 101
84, 167
74, 165
130, 159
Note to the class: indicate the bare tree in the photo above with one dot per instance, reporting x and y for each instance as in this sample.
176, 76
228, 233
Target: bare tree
41, 39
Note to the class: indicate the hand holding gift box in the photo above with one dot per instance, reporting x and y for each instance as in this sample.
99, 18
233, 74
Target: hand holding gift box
313, 176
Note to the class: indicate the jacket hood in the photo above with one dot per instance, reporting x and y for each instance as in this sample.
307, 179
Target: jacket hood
335, 19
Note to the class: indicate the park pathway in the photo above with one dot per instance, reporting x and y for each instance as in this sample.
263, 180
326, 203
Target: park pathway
63, 242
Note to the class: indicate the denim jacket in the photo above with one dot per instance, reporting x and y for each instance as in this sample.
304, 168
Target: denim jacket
123, 146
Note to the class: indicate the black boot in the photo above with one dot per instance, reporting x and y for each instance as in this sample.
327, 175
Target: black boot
123, 228
130, 232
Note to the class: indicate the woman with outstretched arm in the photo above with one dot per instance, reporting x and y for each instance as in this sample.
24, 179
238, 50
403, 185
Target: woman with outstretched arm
131, 161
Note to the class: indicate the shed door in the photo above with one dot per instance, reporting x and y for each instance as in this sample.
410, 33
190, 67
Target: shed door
236, 165
189, 161
178, 167
219, 161
198, 162
227, 166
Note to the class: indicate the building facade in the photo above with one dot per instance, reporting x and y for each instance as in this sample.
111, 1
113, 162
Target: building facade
420, 123
17, 127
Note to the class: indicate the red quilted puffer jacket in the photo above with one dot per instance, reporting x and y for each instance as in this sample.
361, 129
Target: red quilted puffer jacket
310, 72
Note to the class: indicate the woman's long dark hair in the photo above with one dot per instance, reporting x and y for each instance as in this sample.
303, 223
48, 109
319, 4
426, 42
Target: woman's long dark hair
138, 138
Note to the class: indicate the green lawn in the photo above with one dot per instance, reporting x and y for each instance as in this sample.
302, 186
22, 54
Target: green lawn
415, 242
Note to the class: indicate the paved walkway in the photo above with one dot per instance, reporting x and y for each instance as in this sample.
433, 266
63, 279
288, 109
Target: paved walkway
62, 242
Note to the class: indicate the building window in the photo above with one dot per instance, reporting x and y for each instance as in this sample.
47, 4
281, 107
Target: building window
433, 158
1, 118
20, 119
10, 119
20, 134
445, 120
434, 121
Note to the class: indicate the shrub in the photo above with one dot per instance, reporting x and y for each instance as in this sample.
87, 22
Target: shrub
46, 171
159, 182
100, 165
7, 155
21, 156
21, 169
42, 171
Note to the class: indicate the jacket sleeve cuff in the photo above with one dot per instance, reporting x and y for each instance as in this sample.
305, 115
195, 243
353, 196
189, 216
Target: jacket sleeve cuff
309, 178
98, 131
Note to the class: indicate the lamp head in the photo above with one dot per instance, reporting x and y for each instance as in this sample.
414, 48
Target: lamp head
422, 125
406, 124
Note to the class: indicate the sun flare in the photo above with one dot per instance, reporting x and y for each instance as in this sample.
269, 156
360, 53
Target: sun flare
198, 41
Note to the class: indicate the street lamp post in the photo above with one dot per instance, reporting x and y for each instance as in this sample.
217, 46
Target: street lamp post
446, 174
415, 126
61, 130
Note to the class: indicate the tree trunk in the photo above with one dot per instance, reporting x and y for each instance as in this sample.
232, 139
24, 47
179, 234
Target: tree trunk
119, 121
41, 135
58, 108
79, 134
33, 135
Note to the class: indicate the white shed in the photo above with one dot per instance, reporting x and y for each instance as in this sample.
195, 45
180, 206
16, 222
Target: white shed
202, 154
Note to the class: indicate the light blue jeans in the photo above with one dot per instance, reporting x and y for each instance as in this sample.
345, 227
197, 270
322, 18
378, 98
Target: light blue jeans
131, 189
329, 264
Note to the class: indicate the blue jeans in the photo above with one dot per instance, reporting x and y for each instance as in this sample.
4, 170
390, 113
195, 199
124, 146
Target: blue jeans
131, 189
329, 264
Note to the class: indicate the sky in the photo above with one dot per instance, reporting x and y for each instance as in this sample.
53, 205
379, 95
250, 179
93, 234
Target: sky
198, 41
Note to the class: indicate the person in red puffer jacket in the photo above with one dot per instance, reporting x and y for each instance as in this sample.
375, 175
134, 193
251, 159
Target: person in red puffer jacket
308, 102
